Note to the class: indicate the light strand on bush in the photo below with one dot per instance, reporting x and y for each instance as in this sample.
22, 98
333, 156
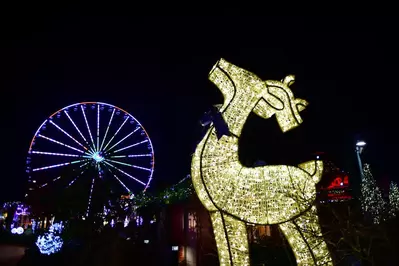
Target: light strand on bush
393, 199
372, 202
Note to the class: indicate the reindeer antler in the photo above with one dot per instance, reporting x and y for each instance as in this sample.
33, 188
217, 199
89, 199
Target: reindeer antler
289, 80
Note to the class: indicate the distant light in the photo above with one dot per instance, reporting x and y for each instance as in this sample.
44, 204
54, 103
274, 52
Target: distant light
146, 241
175, 248
317, 157
342, 184
14, 231
361, 144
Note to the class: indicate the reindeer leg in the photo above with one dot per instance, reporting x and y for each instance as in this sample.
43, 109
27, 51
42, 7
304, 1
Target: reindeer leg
306, 240
231, 240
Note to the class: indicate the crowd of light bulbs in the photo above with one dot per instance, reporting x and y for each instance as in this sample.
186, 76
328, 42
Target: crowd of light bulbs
372, 201
236, 195
51, 241
393, 199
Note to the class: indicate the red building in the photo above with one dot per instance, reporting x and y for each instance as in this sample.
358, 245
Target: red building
335, 183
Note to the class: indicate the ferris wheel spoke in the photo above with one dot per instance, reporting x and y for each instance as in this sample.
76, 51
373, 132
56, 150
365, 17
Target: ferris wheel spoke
57, 165
73, 181
98, 127
128, 135
45, 184
59, 154
123, 172
105, 148
132, 155
56, 179
62, 144
87, 125
106, 131
66, 133
130, 165
90, 195
131, 146
120, 181
76, 127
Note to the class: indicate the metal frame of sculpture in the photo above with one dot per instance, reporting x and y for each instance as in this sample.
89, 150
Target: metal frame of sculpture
274, 194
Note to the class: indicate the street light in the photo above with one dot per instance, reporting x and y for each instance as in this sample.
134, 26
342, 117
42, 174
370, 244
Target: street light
359, 148
361, 143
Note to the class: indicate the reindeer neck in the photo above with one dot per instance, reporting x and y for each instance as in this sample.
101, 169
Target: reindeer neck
236, 114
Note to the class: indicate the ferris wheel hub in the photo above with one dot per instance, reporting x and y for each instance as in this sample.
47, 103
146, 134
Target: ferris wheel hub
97, 157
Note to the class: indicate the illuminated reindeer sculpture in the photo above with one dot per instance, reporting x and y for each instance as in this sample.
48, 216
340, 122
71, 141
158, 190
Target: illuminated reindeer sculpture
274, 194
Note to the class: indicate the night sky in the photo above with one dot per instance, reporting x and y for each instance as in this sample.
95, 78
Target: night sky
156, 68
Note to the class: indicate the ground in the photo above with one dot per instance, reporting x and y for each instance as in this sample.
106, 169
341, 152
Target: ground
10, 254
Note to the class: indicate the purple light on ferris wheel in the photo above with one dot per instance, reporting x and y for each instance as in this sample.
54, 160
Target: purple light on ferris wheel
123, 172
56, 165
87, 124
128, 135
73, 123
123, 185
133, 145
55, 154
66, 133
60, 143
106, 131
98, 128
116, 133
130, 165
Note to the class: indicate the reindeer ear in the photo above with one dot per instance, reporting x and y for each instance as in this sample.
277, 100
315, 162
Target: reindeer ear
289, 80
301, 104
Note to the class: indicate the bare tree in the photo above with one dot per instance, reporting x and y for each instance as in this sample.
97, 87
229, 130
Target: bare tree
348, 235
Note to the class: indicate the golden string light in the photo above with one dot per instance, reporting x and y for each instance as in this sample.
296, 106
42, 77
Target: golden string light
275, 194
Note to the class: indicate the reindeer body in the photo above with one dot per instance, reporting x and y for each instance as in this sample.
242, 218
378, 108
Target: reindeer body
235, 194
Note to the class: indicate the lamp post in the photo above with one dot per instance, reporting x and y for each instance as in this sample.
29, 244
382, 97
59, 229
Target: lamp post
359, 148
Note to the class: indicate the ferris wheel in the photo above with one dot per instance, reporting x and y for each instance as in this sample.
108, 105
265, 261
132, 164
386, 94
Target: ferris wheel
90, 143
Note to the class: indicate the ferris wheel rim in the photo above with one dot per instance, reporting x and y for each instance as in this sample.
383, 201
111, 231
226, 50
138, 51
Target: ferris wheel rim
147, 137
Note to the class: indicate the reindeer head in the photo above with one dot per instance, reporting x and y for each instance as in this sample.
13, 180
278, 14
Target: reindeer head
244, 92
278, 99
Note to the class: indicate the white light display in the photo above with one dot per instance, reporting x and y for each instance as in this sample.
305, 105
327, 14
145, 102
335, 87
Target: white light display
126, 222
34, 225
393, 199
19, 231
49, 243
274, 194
56, 228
